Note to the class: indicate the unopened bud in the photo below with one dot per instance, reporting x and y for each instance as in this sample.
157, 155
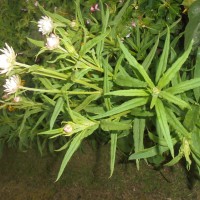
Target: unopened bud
68, 128
17, 99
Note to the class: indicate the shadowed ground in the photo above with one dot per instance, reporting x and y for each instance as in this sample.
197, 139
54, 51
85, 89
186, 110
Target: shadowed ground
28, 176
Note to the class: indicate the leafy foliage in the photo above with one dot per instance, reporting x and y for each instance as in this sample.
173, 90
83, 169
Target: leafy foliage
119, 71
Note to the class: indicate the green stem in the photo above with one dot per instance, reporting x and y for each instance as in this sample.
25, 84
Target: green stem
22, 65
55, 91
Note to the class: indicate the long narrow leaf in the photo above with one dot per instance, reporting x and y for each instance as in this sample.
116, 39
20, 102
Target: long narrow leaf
113, 149
120, 14
91, 43
149, 152
56, 112
171, 72
146, 63
175, 100
184, 86
136, 66
138, 136
123, 107
197, 74
162, 120
176, 124
108, 125
164, 57
129, 93
73, 147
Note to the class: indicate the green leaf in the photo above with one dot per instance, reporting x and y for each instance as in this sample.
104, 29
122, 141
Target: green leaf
164, 57
160, 140
149, 152
162, 120
196, 75
86, 102
73, 147
175, 100
192, 29
146, 63
55, 17
124, 79
123, 107
120, 14
113, 149
129, 93
58, 108
36, 42
108, 125
52, 132
171, 72
176, 124
79, 14
174, 160
191, 117
184, 86
36, 69
91, 43
136, 66
138, 136
106, 84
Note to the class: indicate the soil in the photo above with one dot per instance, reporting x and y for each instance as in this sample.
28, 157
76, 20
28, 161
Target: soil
28, 176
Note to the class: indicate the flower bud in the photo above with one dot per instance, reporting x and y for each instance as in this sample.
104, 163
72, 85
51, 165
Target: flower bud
67, 128
52, 42
17, 99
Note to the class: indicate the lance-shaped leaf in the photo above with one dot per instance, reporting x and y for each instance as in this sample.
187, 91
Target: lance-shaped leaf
176, 124
171, 72
149, 152
175, 100
58, 108
147, 62
120, 14
113, 149
197, 74
162, 120
108, 125
136, 66
129, 93
133, 103
138, 136
122, 78
91, 43
174, 160
184, 86
160, 141
164, 57
74, 146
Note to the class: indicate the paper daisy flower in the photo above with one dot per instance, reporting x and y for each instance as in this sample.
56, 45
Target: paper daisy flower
45, 25
7, 59
12, 84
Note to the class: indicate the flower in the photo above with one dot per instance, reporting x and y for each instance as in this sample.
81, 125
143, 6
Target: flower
94, 8
7, 59
12, 84
67, 128
45, 25
52, 42
17, 99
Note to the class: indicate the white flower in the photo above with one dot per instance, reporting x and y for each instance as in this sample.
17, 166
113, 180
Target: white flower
45, 25
12, 84
7, 59
52, 42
